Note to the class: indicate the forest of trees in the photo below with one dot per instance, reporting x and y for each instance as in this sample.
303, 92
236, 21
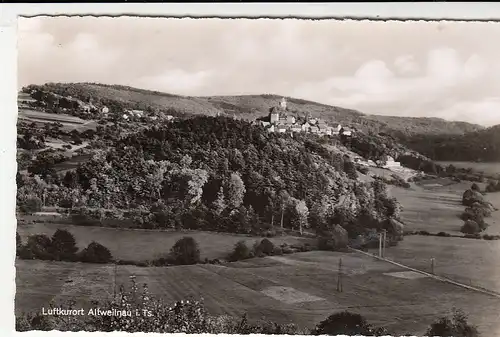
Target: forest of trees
481, 146
214, 174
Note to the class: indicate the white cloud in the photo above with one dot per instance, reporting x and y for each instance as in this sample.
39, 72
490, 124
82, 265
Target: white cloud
387, 68
406, 65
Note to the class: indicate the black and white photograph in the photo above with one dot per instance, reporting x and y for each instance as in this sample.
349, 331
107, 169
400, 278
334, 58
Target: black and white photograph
258, 176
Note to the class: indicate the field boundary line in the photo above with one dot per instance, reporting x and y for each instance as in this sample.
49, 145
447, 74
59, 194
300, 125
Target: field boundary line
436, 277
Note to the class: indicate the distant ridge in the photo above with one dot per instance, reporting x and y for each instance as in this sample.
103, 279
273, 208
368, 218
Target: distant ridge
254, 106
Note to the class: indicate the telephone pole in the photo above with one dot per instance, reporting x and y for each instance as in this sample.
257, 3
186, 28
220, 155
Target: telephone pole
339, 277
384, 237
380, 244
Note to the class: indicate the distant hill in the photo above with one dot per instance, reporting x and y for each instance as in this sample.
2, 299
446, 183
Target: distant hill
253, 106
480, 146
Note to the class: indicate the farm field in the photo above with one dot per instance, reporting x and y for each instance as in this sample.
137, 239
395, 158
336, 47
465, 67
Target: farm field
299, 288
40, 115
468, 261
129, 244
489, 168
436, 205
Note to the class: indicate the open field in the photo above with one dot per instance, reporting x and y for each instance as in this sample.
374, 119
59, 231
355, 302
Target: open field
48, 117
468, 261
488, 168
299, 288
436, 205
72, 163
129, 244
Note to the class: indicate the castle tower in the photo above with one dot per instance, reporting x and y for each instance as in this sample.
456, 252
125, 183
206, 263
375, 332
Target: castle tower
274, 116
283, 103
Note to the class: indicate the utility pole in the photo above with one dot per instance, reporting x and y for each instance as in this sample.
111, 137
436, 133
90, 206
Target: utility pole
282, 213
384, 236
380, 244
339, 277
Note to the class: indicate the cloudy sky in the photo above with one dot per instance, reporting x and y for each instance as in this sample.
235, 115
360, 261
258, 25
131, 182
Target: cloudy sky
449, 70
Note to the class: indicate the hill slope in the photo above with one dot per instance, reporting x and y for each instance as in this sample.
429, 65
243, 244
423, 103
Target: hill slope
253, 106
481, 145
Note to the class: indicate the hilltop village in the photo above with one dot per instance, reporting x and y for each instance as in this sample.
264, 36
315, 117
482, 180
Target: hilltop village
281, 120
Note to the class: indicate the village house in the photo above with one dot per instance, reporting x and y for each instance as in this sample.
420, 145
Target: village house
281, 128
296, 128
346, 131
105, 110
391, 163
279, 121
336, 127
306, 126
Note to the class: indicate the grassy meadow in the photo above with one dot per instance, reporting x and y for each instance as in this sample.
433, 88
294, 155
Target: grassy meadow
488, 168
139, 245
299, 288
469, 261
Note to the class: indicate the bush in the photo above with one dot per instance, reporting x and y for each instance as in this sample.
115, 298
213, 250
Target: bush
64, 245
470, 197
31, 205
19, 242
185, 251
457, 326
265, 247
475, 187
444, 234
95, 253
278, 251
470, 227
347, 323
491, 237
240, 252
39, 246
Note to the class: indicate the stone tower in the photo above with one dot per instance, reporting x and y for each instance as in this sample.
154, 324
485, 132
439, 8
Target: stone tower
283, 103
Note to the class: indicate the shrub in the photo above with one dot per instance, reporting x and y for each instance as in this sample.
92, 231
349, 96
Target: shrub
443, 234
470, 227
185, 251
240, 252
278, 251
64, 245
31, 205
269, 233
347, 323
30, 322
456, 326
95, 253
470, 197
475, 187
265, 247
491, 237
19, 242
39, 246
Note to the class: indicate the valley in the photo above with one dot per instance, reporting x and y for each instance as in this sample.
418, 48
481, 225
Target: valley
213, 176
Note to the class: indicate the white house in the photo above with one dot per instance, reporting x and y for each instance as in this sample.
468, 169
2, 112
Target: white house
391, 163
336, 127
105, 110
265, 124
306, 126
125, 116
296, 128
271, 128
